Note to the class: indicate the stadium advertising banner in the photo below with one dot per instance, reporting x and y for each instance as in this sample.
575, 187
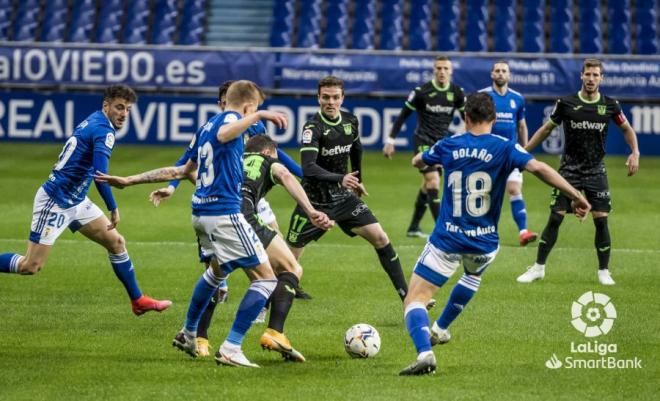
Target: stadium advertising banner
205, 68
173, 120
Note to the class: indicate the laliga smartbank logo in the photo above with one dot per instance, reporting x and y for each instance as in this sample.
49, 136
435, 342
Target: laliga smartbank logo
593, 315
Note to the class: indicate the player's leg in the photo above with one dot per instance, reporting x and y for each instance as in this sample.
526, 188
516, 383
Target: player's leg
288, 272
518, 210
559, 205
432, 186
419, 210
218, 297
267, 215
301, 232
598, 194
432, 270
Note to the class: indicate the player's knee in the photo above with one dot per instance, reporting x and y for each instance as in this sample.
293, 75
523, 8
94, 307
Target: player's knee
116, 244
555, 219
380, 240
432, 183
512, 191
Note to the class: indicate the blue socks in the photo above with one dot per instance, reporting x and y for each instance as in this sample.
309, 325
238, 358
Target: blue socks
204, 289
125, 272
417, 323
253, 301
462, 293
518, 211
9, 262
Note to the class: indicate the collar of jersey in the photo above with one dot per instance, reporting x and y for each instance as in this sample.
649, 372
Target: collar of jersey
438, 88
325, 120
583, 100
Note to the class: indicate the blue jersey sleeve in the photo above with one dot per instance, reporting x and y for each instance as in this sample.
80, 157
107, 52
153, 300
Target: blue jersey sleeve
518, 156
100, 163
182, 160
289, 163
257, 128
433, 155
521, 109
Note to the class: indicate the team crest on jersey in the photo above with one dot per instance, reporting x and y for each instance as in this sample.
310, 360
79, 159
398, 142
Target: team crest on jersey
110, 140
602, 109
307, 136
512, 103
348, 129
450, 96
230, 118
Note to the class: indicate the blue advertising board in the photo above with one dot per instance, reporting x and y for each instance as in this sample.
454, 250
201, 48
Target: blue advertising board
173, 120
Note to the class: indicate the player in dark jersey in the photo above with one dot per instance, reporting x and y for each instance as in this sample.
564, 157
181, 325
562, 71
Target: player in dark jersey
586, 117
329, 139
435, 103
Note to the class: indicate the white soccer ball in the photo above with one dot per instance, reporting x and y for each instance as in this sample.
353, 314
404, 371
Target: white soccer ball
362, 341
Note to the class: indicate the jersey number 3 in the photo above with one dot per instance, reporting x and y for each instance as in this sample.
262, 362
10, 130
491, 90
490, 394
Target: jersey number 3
205, 157
477, 199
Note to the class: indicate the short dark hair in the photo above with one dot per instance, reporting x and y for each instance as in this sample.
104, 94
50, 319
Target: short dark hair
480, 108
121, 92
331, 80
500, 61
222, 91
442, 58
259, 143
592, 62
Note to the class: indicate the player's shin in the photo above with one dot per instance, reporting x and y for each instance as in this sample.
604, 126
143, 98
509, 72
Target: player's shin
518, 211
418, 213
602, 242
462, 293
392, 266
9, 262
125, 272
207, 317
433, 202
253, 301
417, 323
549, 237
282, 300
206, 286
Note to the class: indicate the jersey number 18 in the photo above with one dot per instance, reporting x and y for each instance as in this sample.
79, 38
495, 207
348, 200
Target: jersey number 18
477, 199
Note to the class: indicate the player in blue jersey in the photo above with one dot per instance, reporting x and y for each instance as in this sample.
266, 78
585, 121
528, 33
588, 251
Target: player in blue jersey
510, 123
476, 165
62, 200
221, 228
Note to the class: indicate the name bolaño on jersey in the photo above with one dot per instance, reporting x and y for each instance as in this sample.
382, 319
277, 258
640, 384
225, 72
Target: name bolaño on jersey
476, 168
585, 126
509, 110
69, 180
435, 108
219, 169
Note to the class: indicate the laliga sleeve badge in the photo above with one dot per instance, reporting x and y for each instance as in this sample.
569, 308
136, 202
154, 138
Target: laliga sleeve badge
230, 118
307, 136
110, 140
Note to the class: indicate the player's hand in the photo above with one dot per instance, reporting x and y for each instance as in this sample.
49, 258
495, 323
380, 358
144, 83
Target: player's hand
581, 207
633, 164
112, 180
114, 219
321, 220
161, 194
350, 180
278, 119
388, 150
360, 191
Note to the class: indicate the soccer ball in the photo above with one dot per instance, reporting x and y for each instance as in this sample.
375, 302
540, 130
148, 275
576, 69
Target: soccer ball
362, 341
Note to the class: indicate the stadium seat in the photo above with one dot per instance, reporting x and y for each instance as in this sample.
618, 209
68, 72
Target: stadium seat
448, 15
191, 28
309, 24
419, 31
26, 32
5, 23
504, 31
475, 27
618, 21
561, 26
391, 31
336, 25
364, 25
164, 26
591, 37
647, 27
135, 28
82, 21
533, 33
280, 33
54, 33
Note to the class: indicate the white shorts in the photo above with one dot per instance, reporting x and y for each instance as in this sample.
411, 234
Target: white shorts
50, 220
230, 239
515, 176
265, 212
435, 266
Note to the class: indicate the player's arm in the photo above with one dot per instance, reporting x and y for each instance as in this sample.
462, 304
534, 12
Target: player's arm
100, 161
289, 163
631, 139
551, 177
540, 135
232, 130
282, 176
408, 108
158, 175
522, 133
430, 157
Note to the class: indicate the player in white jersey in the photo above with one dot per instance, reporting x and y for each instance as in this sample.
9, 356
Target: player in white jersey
476, 165
62, 200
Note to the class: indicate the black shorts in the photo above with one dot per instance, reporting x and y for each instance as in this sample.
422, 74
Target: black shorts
348, 214
422, 145
595, 189
263, 231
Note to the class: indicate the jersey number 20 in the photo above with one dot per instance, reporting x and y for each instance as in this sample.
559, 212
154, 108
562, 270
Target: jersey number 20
478, 186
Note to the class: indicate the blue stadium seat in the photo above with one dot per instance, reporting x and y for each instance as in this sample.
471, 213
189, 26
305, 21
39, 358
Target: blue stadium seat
364, 25
618, 21
135, 28
561, 26
647, 27
336, 24
26, 24
533, 33
54, 33
591, 36
26, 32
164, 25
419, 30
192, 23
475, 27
109, 24
5, 23
448, 15
280, 31
82, 21
309, 24
391, 19
504, 31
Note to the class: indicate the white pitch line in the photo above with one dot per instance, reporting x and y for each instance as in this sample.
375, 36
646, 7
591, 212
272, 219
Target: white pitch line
326, 245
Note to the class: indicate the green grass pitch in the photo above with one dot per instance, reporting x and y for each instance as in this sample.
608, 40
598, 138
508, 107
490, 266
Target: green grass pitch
68, 333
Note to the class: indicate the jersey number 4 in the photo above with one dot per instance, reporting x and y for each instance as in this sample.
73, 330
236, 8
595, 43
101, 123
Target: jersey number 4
477, 199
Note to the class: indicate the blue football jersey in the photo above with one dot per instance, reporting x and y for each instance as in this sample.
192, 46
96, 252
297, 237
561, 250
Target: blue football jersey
69, 180
510, 110
219, 169
476, 168
257, 128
